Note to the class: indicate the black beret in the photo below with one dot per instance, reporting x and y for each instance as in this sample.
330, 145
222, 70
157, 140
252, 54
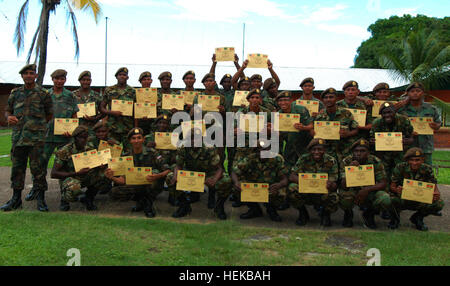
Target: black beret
349, 84
164, 74
306, 80
85, 73
415, 85
145, 74
123, 69
316, 141
242, 80
224, 77
381, 86
59, 73
252, 92
28, 67
268, 83
329, 90
188, 73
256, 76
283, 94
208, 75
386, 105
135, 131
360, 142
413, 152
161, 117
79, 130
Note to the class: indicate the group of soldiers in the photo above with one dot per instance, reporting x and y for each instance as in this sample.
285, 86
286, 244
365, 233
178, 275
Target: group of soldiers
31, 110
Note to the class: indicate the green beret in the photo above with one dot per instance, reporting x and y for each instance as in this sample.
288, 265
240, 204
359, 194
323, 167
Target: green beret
224, 77
59, 73
329, 90
252, 92
161, 117
79, 130
349, 84
145, 74
242, 80
381, 86
283, 94
415, 85
28, 67
316, 141
125, 70
135, 131
360, 142
256, 76
85, 73
188, 73
386, 105
306, 80
164, 74
208, 75
268, 83
99, 124
413, 152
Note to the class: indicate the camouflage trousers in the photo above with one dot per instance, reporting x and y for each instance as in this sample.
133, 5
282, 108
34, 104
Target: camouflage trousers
49, 149
377, 200
328, 201
73, 187
131, 192
390, 160
424, 209
19, 158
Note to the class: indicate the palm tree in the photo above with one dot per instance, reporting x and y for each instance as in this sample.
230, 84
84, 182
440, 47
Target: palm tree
40, 39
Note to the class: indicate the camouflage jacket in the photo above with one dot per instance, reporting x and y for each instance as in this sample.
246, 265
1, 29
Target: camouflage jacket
268, 101
64, 106
328, 164
321, 105
359, 104
403, 171
202, 159
378, 167
63, 156
93, 96
121, 124
94, 142
148, 158
168, 156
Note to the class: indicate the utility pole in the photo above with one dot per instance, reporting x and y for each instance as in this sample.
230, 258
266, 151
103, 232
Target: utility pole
106, 50
243, 43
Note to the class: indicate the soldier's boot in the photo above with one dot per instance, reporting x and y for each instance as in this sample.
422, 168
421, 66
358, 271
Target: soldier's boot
395, 220
284, 206
385, 215
237, 203
233, 198
325, 219
219, 208
253, 211
171, 199
138, 207
149, 210
369, 218
438, 213
14, 203
184, 208
303, 216
272, 212
89, 200
348, 218
64, 205
32, 195
417, 220
211, 198
41, 205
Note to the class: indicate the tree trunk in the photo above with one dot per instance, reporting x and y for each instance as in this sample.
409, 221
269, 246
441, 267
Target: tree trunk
42, 41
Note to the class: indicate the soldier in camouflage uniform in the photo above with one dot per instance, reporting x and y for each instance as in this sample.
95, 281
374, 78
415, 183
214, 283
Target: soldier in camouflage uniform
145, 195
269, 94
372, 199
418, 108
413, 168
146, 82
254, 169
307, 86
165, 79
28, 111
316, 161
72, 183
337, 148
119, 125
200, 159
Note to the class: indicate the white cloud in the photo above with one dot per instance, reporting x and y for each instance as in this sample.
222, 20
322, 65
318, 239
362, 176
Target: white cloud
324, 14
351, 30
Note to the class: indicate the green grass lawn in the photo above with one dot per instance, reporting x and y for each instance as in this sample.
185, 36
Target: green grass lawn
33, 238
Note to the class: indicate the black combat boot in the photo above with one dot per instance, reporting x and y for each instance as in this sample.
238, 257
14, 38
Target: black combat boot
417, 220
41, 205
149, 210
211, 198
303, 216
369, 218
284, 206
184, 208
325, 219
385, 215
348, 218
32, 195
89, 200
171, 199
64, 206
14, 203
395, 220
219, 208
253, 211
272, 212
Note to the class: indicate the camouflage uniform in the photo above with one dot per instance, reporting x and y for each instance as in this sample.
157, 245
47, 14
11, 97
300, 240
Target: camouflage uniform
268, 101
94, 142
307, 164
31, 107
321, 105
93, 96
425, 142
169, 156
359, 104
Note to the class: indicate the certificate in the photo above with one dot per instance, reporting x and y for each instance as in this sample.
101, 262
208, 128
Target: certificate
312, 183
116, 150
256, 193
190, 181
147, 95
286, 121
376, 107
240, 98
124, 106
311, 105
209, 102
388, 141
104, 156
166, 140
120, 165
328, 130
186, 126
137, 175
257, 61
86, 159
189, 96
63, 125
251, 122
421, 125
418, 191
359, 115
146, 109
86, 109
170, 101
359, 176
225, 54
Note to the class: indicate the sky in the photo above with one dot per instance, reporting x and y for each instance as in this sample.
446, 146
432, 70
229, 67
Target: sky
294, 33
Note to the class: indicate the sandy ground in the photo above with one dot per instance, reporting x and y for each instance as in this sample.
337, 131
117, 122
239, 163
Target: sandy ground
201, 214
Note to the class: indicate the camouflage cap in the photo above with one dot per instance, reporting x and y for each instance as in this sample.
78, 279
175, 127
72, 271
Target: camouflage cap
306, 80
413, 152
242, 80
381, 86
135, 131
252, 92
268, 83
349, 84
329, 90
415, 85
316, 141
165, 74
145, 74
225, 77
85, 73
123, 69
59, 73
256, 77
162, 117
188, 73
79, 130
208, 75
28, 67
99, 124
283, 94
361, 142
385, 105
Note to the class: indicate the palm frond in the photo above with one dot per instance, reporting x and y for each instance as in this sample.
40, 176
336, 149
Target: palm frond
73, 20
90, 5
21, 27
444, 106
